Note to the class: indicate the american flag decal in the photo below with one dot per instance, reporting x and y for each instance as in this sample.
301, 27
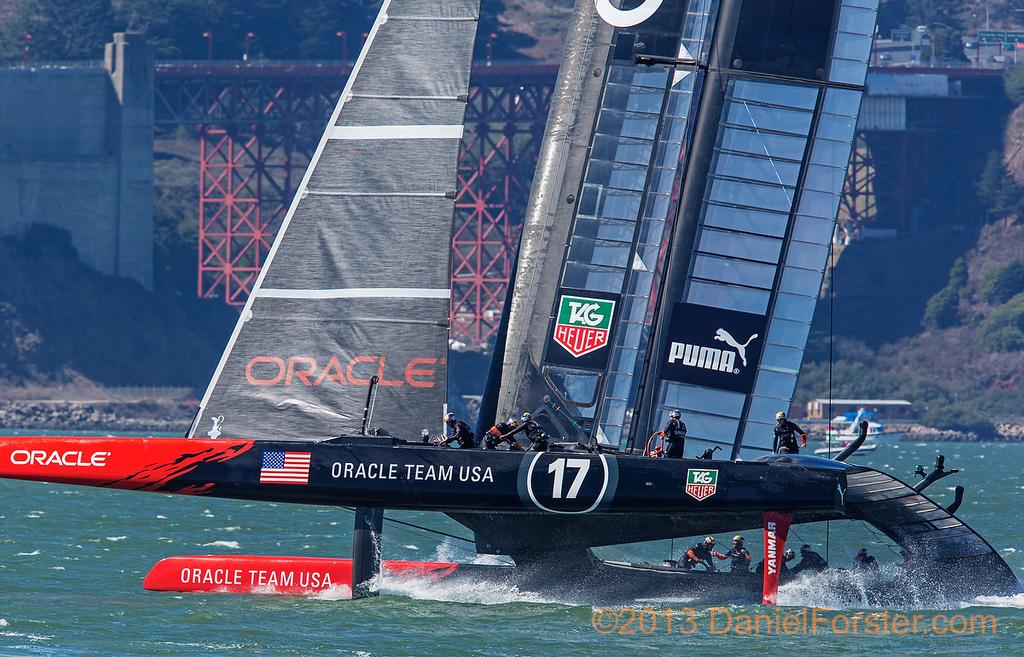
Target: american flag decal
285, 468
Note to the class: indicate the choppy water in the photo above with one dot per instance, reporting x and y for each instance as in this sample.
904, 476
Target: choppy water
72, 562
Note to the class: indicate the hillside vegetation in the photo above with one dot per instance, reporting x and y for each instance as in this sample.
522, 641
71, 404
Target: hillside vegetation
62, 322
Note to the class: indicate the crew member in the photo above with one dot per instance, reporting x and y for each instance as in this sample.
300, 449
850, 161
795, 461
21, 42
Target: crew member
424, 435
674, 434
810, 561
739, 556
498, 434
538, 439
784, 570
461, 433
785, 435
865, 562
702, 553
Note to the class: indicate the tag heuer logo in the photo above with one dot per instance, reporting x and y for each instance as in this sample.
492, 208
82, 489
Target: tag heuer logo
583, 324
701, 484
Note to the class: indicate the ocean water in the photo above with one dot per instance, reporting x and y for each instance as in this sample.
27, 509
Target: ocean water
72, 561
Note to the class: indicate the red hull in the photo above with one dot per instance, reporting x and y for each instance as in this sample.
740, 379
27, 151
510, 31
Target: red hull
273, 575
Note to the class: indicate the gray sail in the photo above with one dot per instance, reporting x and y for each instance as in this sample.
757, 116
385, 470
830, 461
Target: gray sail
356, 284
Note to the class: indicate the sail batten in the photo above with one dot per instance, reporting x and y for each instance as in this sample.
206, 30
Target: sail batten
356, 283
358, 293
396, 132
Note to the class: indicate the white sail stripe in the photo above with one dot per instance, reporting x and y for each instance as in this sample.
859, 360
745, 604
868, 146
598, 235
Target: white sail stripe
400, 97
395, 132
247, 309
357, 293
454, 19
320, 192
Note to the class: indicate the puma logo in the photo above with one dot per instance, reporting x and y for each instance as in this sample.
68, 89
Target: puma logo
724, 336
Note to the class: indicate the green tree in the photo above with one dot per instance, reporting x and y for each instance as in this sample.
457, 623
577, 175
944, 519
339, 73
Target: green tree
943, 21
60, 29
1003, 329
997, 190
960, 418
943, 309
1013, 84
1003, 283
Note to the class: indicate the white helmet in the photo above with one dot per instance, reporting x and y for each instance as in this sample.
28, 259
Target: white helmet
675, 415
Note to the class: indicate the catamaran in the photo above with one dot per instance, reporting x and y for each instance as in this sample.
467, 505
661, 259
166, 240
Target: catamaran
672, 254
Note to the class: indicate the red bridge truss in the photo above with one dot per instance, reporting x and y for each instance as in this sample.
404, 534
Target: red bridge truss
257, 125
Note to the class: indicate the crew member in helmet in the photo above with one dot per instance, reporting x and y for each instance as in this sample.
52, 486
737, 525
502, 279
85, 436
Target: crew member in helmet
461, 433
810, 561
785, 436
784, 570
702, 553
739, 556
865, 562
538, 439
499, 434
674, 434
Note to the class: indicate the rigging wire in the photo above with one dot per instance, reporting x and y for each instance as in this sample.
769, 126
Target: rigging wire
881, 539
831, 337
415, 526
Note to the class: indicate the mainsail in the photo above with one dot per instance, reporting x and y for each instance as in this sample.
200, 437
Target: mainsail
681, 216
356, 284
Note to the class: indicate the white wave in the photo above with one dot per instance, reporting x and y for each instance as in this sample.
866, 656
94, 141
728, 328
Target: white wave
160, 517
1009, 550
487, 592
334, 592
1007, 601
27, 554
224, 544
3, 623
115, 539
410, 547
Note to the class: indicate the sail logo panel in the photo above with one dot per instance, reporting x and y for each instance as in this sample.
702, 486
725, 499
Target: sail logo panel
714, 347
355, 290
582, 329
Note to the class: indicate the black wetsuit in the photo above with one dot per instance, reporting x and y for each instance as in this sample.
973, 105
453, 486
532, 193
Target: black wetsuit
785, 438
675, 438
811, 561
739, 559
495, 435
704, 555
461, 434
538, 439
867, 564
784, 570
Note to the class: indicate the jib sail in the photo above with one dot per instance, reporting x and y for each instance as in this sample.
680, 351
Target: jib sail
356, 284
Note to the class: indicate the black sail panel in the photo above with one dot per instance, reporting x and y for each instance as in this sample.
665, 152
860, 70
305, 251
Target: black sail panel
356, 284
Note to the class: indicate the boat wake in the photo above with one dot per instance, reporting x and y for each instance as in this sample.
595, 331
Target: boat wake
1003, 601
466, 591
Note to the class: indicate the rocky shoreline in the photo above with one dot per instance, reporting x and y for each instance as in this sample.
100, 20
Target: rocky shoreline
1007, 432
149, 416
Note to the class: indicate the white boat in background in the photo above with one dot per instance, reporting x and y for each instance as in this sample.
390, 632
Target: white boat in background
836, 448
876, 429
